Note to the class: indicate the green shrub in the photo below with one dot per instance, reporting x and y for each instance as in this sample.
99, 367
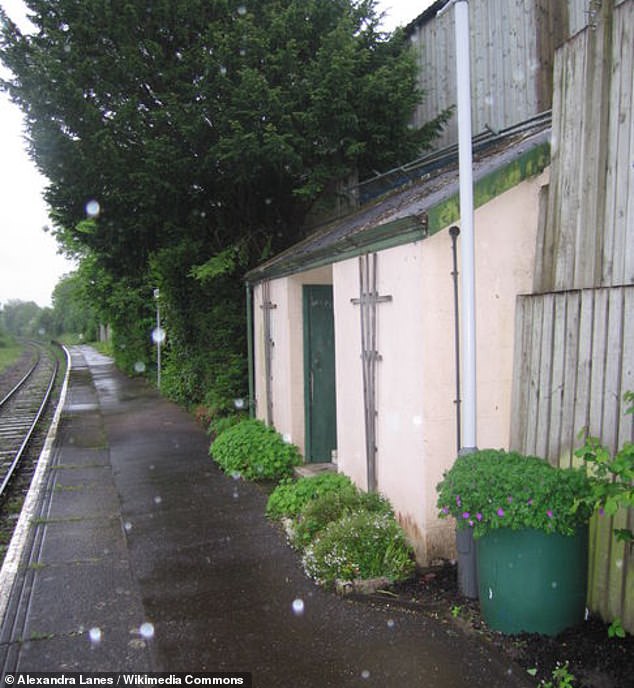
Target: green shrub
360, 545
254, 451
492, 489
613, 483
218, 425
331, 506
290, 496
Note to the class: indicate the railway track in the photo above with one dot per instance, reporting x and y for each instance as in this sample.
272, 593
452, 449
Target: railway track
22, 410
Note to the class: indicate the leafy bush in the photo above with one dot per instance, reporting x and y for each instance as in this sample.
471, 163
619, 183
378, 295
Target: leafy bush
254, 451
492, 489
290, 496
614, 487
218, 425
360, 545
331, 506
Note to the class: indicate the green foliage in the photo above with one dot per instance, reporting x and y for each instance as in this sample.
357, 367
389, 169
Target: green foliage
331, 506
562, 678
614, 487
290, 496
492, 489
219, 425
361, 544
205, 359
24, 318
73, 311
9, 353
615, 629
254, 451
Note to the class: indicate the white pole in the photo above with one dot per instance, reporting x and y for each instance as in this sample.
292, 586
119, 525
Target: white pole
157, 339
467, 571
463, 76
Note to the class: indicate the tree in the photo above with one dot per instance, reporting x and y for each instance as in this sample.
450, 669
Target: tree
204, 131
21, 318
73, 312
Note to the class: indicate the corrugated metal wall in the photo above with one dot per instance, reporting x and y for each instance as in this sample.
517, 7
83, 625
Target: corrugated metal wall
575, 338
512, 46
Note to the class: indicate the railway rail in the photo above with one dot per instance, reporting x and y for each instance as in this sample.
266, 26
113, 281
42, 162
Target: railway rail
22, 410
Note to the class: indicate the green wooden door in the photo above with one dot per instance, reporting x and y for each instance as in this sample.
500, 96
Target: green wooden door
319, 373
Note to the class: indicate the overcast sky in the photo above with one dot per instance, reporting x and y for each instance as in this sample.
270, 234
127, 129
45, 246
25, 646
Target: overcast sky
30, 265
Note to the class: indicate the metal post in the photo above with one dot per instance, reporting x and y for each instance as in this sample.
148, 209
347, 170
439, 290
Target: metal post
454, 232
250, 362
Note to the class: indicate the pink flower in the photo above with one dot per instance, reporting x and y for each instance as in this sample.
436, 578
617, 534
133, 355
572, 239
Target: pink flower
530, 502
479, 516
445, 509
500, 512
509, 499
458, 501
466, 515
549, 513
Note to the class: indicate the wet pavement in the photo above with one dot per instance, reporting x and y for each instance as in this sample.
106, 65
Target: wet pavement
138, 554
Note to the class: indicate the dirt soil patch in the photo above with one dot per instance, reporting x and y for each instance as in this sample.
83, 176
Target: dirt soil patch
594, 659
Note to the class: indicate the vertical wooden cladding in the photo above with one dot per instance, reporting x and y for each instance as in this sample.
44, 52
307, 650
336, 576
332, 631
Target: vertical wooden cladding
574, 361
513, 43
590, 218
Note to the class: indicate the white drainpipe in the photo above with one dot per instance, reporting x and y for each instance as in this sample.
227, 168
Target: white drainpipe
467, 249
467, 570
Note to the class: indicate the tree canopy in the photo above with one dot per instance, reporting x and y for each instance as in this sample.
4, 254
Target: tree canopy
185, 139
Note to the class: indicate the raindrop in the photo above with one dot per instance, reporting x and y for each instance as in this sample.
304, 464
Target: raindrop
365, 674
554, 585
64, 27
235, 494
127, 526
157, 499
236, 475
223, 70
92, 208
139, 367
147, 630
242, 10
95, 635
298, 607
158, 335
391, 623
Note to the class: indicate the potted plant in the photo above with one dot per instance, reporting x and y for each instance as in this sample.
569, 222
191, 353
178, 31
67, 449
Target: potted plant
529, 520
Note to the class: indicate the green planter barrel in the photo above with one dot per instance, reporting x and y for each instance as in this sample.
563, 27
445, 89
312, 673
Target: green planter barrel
532, 581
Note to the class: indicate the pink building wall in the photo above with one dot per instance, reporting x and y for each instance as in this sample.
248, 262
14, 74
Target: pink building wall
416, 426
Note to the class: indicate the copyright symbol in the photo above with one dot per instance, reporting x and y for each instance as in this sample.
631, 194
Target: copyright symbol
9, 679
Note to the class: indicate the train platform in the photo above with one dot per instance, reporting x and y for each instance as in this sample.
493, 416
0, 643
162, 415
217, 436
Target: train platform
136, 554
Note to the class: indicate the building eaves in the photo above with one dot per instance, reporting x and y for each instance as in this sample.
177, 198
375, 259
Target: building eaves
425, 16
421, 207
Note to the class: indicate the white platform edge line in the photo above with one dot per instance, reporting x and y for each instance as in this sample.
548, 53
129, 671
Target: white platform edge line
14, 553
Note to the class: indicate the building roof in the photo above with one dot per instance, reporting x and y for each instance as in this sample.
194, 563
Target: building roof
425, 16
424, 200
